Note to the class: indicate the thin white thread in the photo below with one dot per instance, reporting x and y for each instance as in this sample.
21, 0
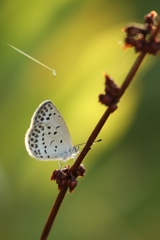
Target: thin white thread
35, 60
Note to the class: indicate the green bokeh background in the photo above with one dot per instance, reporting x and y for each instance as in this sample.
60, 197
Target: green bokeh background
119, 198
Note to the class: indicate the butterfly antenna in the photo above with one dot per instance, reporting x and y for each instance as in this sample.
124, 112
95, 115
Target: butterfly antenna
99, 140
35, 60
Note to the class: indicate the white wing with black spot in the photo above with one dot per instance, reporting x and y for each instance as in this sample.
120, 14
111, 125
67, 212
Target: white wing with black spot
48, 137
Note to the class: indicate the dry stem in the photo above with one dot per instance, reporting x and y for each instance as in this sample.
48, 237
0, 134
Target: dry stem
93, 136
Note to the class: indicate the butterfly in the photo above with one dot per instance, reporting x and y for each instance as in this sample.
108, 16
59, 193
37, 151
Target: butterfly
48, 137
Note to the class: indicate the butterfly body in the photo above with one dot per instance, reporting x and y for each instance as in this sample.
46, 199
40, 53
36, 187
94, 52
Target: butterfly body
48, 137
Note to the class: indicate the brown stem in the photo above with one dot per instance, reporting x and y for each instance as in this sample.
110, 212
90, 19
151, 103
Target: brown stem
92, 138
131, 73
53, 213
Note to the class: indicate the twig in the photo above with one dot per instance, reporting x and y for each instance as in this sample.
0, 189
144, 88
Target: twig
94, 135
53, 213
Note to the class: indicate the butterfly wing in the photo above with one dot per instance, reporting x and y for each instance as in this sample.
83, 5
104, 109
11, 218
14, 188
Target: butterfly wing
48, 137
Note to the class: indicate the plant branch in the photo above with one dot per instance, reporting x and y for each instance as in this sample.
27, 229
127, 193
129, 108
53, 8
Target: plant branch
94, 135
53, 213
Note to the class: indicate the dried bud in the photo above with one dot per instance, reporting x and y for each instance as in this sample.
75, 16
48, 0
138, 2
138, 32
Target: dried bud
61, 184
150, 17
55, 174
105, 99
111, 96
72, 184
81, 170
65, 176
137, 35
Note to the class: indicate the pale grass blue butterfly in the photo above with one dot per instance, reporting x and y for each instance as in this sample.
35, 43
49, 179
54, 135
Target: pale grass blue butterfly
48, 137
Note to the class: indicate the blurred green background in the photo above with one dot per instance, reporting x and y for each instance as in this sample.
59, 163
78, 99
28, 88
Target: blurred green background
119, 198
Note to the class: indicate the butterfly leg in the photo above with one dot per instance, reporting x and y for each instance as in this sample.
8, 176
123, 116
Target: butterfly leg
59, 165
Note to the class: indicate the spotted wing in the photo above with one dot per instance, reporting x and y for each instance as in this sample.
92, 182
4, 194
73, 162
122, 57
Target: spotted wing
48, 137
